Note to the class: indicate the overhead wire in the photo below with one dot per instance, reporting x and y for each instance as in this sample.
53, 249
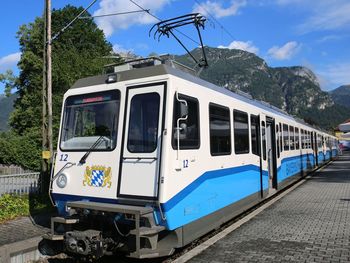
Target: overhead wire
113, 14
71, 22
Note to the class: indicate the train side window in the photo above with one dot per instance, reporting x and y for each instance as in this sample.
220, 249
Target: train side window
305, 139
285, 137
309, 141
189, 128
278, 141
319, 145
297, 139
281, 140
254, 129
263, 135
241, 132
220, 130
291, 136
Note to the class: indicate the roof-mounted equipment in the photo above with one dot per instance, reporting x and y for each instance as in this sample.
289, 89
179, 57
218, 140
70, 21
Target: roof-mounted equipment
167, 27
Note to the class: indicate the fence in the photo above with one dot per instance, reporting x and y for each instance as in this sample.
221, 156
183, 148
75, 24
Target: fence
12, 169
19, 183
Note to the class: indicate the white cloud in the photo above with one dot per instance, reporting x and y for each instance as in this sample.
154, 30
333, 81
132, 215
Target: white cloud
120, 50
328, 18
323, 14
330, 38
335, 75
217, 9
9, 61
287, 51
111, 24
246, 46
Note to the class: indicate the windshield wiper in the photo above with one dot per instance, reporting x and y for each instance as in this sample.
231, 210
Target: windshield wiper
96, 143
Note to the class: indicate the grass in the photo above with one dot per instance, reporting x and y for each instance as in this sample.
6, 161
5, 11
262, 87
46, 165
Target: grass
12, 206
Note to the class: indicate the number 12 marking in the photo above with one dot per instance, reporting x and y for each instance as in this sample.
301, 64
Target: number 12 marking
64, 157
185, 163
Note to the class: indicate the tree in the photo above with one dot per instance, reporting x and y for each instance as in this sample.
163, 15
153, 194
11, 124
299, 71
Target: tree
79, 51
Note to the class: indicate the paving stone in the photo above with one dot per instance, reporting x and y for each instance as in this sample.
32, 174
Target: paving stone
310, 224
23, 228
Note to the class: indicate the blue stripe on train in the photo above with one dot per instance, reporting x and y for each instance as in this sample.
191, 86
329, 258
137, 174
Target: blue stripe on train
328, 155
219, 188
321, 157
210, 192
334, 152
293, 165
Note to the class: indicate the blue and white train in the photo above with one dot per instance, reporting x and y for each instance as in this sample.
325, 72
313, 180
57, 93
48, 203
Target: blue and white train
151, 158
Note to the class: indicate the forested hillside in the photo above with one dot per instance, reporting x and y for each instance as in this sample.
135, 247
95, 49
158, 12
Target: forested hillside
341, 95
293, 89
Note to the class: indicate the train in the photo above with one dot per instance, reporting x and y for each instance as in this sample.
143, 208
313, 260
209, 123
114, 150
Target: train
150, 157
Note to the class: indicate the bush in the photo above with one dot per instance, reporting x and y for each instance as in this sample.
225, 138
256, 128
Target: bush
12, 206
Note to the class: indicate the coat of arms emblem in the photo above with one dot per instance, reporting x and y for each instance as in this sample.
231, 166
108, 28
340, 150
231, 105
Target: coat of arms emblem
98, 176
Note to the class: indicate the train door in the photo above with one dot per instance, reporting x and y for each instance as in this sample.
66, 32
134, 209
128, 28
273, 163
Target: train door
271, 153
268, 154
315, 148
139, 170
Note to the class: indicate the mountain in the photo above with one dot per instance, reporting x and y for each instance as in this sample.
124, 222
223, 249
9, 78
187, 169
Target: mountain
341, 95
293, 89
6, 107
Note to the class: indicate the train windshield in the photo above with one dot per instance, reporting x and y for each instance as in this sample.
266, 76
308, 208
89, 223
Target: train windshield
88, 117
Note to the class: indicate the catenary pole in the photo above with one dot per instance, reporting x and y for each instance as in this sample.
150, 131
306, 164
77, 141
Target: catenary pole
49, 78
47, 148
44, 163
47, 144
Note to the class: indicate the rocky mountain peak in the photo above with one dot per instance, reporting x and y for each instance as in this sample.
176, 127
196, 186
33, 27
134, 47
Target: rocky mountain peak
293, 89
306, 73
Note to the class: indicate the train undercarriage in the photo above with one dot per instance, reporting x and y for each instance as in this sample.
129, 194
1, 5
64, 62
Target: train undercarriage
93, 230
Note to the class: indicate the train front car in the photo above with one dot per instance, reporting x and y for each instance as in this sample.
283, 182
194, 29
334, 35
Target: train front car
105, 180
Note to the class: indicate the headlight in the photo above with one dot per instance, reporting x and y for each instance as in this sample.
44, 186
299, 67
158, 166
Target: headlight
62, 180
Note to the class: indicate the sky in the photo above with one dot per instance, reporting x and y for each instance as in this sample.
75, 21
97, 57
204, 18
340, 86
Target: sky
315, 34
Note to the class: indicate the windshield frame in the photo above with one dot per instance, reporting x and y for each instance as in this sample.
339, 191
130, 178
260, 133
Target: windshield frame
117, 116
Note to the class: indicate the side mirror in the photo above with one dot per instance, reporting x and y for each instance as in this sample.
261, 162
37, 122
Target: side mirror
183, 110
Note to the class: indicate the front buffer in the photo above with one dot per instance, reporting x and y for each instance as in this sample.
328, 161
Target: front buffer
97, 229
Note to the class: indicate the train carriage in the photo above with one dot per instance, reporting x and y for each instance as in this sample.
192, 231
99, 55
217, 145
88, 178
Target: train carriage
151, 158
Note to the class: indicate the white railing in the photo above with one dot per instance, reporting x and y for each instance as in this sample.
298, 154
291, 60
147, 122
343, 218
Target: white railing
19, 183
12, 169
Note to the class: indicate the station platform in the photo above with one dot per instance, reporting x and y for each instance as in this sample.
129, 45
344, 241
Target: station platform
19, 238
309, 224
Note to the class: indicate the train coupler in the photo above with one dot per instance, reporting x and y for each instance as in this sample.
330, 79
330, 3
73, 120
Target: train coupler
88, 243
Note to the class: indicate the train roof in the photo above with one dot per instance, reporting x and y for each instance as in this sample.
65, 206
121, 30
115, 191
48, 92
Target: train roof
164, 69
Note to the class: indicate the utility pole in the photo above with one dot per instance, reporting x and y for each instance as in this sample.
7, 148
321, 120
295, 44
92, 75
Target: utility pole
47, 143
49, 77
46, 100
